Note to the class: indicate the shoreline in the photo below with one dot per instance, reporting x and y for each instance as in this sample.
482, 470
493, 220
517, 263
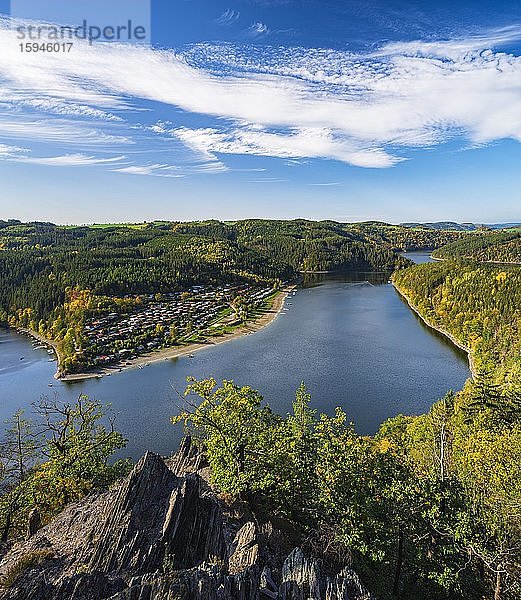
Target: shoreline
177, 351
444, 332
479, 262
39, 338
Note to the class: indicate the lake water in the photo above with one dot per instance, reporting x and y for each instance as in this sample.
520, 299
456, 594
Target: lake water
419, 257
350, 338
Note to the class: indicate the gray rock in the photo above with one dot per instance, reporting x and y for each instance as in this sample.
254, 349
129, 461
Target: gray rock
129, 538
188, 459
245, 550
161, 534
301, 578
193, 527
346, 586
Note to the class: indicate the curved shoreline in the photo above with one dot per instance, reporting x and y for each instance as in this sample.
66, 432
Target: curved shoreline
444, 332
43, 340
177, 351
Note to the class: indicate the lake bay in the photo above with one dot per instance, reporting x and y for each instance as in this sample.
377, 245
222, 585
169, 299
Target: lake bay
350, 338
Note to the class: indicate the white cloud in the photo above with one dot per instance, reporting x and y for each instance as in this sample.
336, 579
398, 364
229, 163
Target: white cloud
11, 151
20, 126
267, 180
23, 155
68, 160
454, 48
68, 109
229, 17
364, 109
410, 94
316, 143
158, 170
258, 29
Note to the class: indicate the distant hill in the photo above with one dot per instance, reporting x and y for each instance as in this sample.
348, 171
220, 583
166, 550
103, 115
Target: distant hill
443, 225
496, 246
504, 225
452, 226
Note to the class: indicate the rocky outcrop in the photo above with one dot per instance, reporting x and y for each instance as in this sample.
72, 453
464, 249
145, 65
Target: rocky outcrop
244, 551
162, 534
302, 577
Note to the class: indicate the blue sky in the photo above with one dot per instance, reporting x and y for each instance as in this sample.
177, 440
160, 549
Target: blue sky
345, 110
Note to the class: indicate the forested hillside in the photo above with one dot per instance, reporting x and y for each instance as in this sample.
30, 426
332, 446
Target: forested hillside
445, 226
480, 305
502, 247
430, 507
408, 238
473, 439
60, 281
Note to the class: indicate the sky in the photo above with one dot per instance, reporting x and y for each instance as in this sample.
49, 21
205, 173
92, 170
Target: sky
322, 109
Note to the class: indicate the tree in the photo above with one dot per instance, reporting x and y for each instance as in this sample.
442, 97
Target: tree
485, 394
293, 458
241, 308
367, 493
488, 464
236, 431
79, 445
56, 461
18, 455
173, 333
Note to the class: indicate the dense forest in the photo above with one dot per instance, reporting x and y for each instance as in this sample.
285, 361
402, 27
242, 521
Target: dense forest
504, 247
409, 238
474, 437
429, 507
54, 278
479, 304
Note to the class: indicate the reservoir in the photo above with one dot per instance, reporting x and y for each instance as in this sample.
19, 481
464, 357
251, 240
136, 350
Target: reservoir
350, 338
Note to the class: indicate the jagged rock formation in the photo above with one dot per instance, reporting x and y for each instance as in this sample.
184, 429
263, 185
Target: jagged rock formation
161, 534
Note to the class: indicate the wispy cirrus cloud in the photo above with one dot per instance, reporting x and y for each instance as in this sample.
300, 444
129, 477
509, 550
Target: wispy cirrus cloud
367, 109
229, 17
23, 155
304, 143
69, 160
158, 170
452, 48
58, 130
167, 170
